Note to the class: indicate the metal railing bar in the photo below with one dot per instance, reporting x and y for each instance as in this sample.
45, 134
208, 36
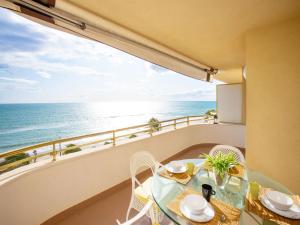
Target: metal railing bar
110, 132
83, 145
181, 122
132, 127
168, 125
196, 119
50, 143
137, 132
15, 163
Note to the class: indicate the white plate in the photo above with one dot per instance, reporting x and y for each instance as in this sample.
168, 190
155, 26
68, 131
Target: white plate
176, 167
280, 200
292, 213
207, 215
194, 203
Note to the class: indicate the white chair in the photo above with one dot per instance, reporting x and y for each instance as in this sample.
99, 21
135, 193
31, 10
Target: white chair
141, 192
143, 212
228, 149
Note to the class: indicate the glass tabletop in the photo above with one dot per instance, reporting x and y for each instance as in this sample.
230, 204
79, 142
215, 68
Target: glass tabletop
165, 190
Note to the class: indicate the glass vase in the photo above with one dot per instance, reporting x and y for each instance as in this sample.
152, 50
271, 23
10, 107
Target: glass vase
221, 180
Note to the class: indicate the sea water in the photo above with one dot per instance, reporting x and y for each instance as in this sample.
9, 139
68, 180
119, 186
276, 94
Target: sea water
27, 124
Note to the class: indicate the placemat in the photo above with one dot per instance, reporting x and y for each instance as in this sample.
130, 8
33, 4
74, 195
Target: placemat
236, 171
232, 214
254, 205
182, 178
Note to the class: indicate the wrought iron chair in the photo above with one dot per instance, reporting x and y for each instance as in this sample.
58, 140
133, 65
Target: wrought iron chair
225, 149
141, 192
228, 149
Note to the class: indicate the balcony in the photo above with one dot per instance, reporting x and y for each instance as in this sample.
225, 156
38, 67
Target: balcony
255, 45
52, 187
113, 203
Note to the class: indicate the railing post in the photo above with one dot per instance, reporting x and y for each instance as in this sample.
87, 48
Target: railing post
59, 146
150, 131
188, 120
114, 138
175, 124
53, 152
35, 155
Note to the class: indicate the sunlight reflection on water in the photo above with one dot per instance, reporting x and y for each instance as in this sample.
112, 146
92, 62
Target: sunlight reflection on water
27, 124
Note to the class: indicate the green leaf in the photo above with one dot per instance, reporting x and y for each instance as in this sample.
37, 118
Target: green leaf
221, 162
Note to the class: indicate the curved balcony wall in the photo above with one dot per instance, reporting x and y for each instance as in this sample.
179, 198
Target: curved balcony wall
31, 197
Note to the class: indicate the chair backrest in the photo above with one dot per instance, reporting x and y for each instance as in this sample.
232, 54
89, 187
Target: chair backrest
139, 215
228, 149
142, 160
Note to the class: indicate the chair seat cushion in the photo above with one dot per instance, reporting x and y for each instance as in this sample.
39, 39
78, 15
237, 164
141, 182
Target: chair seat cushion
144, 191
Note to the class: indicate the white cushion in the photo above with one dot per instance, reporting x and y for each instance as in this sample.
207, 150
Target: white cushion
144, 191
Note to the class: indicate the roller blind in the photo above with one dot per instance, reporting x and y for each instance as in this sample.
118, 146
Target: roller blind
69, 18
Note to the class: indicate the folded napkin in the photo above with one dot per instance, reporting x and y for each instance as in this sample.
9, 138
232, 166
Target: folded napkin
190, 168
254, 205
232, 214
254, 189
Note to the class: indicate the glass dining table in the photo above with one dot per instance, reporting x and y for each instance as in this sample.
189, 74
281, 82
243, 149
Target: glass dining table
164, 190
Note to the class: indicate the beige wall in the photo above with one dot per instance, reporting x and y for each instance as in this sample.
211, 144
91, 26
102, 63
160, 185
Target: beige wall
273, 102
43, 192
231, 76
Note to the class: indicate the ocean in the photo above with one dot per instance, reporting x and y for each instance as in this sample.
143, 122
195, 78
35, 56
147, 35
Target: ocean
27, 124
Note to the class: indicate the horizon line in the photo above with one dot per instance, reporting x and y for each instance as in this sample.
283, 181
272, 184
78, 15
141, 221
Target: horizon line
12, 103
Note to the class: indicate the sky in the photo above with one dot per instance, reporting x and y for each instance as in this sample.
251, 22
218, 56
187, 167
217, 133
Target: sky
40, 64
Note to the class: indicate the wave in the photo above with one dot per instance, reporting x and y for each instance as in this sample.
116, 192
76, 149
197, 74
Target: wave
32, 128
14, 146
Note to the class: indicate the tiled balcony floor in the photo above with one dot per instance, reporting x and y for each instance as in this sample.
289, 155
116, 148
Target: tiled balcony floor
114, 206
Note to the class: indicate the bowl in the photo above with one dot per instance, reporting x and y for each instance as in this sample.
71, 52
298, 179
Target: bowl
176, 167
195, 204
280, 200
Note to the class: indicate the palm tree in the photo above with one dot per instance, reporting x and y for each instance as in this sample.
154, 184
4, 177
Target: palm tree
154, 124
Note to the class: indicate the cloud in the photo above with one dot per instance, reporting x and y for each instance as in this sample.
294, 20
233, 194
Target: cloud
157, 68
17, 84
18, 80
204, 94
3, 66
44, 74
26, 60
42, 52
27, 45
153, 69
17, 37
195, 92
